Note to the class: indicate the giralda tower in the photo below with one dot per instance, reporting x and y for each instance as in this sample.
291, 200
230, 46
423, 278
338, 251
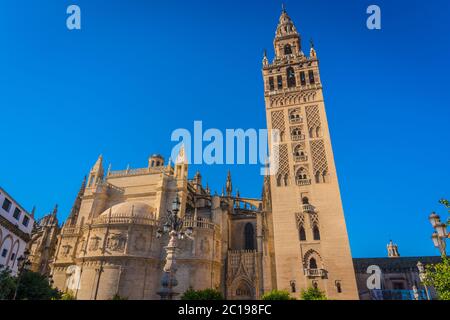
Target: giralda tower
309, 239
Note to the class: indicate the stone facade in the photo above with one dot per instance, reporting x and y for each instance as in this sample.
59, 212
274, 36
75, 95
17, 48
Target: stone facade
43, 243
15, 230
108, 245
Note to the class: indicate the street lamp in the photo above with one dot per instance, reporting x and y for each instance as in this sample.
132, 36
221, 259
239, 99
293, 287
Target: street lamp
422, 277
440, 235
434, 219
23, 265
174, 226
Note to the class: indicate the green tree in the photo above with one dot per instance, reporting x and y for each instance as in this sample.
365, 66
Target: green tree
446, 204
206, 294
313, 294
7, 284
438, 276
34, 286
277, 295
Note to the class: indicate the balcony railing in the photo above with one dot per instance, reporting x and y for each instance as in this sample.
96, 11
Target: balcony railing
307, 208
315, 273
301, 158
296, 120
297, 137
303, 182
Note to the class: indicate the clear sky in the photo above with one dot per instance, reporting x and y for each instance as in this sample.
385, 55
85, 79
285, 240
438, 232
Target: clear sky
140, 69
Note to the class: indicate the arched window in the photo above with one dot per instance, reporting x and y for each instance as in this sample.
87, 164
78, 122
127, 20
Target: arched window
324, 176
286, 179
302, 233
305, 200
279, 180
295, 116
287, 49
317, 177
301, 174
312, 263
290, 77
338, 287
316, 232
249, 235
293, 289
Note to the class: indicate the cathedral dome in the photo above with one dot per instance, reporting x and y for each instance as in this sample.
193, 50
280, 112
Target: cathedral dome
130, 209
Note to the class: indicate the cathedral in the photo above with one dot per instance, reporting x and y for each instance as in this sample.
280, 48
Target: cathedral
293, 238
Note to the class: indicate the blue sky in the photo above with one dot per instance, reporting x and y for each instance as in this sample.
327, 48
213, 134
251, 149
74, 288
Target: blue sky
140, 69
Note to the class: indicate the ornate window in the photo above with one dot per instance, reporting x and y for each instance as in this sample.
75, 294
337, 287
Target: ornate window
311, 76
286, 179
295, 116
302, 233
316, 233
302, 78
290, 77
302, 177
299, 154
271, 84
312, 263
249, 235
296, 134
287, 49
279, 177
280, 82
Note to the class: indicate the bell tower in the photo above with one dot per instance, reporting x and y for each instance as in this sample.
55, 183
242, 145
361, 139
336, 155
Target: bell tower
311, 247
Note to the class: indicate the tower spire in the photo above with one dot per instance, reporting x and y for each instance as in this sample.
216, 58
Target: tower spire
287, 40
73, 215
229, 184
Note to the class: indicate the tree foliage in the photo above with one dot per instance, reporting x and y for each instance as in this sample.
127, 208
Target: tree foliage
313, 294
206, 294
438, 276
277, 295
30, 286
7, 284
34, 286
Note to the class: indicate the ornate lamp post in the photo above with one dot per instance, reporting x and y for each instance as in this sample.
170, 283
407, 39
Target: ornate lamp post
174, 226
23, 264
440, 235
422, 276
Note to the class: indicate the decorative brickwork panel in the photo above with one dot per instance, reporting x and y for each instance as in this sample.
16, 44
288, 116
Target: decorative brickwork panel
313, 219
319, 157
300, 217
313, 117
283, 160
278, 121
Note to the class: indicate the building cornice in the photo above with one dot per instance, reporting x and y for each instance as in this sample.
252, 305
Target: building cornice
14, 229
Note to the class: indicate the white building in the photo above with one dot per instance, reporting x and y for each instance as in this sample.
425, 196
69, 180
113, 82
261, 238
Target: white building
16, 225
